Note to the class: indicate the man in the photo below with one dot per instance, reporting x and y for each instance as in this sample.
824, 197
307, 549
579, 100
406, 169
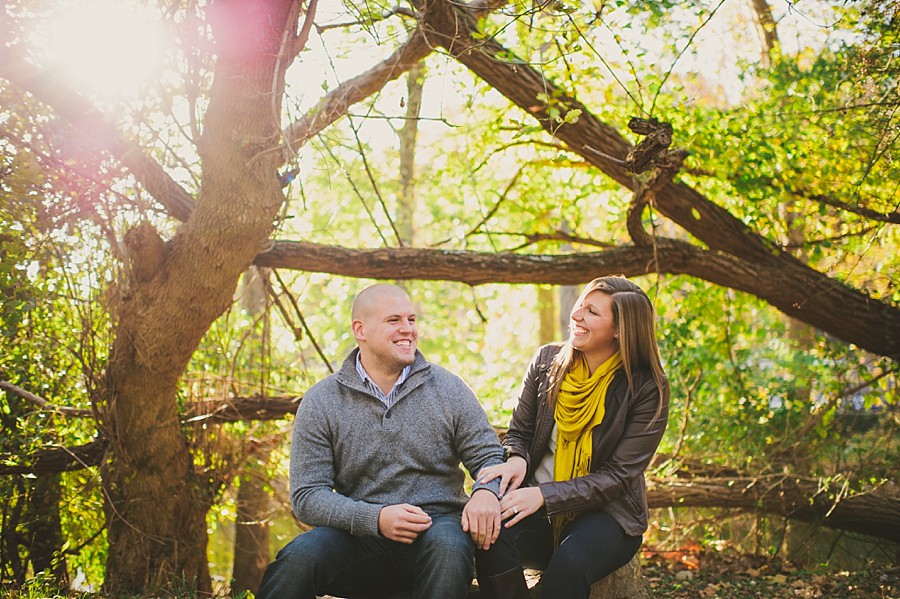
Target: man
375, 462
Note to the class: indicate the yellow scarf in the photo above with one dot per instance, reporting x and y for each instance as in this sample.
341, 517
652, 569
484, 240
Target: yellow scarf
580, 407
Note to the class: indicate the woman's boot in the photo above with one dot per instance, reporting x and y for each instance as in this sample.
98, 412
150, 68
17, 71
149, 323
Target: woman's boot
508, 585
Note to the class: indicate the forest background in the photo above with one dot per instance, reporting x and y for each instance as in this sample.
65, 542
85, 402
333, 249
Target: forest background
193, 192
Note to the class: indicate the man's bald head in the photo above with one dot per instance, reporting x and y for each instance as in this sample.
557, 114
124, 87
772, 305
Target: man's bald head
372, 296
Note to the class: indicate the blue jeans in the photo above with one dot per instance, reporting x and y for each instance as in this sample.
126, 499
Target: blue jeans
328, 561
592, 546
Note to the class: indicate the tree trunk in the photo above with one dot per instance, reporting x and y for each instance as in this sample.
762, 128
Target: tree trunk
156, 502
625, 583
251, 536
765, 23
45, 538
546, 302
406, 206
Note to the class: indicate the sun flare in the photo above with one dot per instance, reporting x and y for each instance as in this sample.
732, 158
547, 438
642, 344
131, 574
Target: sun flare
108, 48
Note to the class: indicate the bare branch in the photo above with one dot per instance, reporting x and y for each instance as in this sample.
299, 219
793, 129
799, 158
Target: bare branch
54, 459
336, 102
43, 404
242, 409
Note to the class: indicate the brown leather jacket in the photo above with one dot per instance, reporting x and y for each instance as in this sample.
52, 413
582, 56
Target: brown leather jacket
624, 444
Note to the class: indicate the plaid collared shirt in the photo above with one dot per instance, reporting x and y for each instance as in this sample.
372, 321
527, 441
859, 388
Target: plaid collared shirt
387, 400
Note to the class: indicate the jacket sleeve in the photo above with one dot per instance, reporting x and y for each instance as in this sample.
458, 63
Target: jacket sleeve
627, 460
520, 435
313, 477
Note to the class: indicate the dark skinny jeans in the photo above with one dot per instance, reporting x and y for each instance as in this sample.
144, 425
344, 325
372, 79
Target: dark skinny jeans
438, 565
593, 545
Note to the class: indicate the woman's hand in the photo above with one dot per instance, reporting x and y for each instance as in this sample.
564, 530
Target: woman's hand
519, 504
511, 473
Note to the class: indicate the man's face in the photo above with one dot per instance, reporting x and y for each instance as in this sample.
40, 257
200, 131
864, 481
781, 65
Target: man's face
386, 332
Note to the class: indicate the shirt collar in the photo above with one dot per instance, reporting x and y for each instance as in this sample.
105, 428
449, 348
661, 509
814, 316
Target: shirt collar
368, 380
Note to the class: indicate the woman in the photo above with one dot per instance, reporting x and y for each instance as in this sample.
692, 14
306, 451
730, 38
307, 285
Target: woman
590, 416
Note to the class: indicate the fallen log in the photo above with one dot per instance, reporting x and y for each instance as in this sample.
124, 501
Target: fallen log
874, 511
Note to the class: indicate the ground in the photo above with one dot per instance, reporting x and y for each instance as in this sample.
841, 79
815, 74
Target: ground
700, 575
749, 577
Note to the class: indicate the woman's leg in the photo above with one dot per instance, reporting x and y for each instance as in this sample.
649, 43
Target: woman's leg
529, 543
592, 547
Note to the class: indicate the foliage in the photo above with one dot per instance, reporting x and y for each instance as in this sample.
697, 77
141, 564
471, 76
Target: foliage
50, 321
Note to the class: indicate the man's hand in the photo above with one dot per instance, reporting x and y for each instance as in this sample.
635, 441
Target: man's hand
481, 518
403, 522
511, 473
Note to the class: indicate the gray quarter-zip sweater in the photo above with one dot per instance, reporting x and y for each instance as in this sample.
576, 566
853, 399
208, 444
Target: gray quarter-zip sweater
351, 456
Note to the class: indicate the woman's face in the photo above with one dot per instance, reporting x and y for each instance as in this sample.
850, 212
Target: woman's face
591, 326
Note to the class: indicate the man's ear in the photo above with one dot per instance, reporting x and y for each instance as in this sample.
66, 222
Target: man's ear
358, 329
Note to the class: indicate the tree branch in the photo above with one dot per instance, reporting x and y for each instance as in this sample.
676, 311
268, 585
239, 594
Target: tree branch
43, 404
336, 102
54, 459
874, 512
46, 86
784, 283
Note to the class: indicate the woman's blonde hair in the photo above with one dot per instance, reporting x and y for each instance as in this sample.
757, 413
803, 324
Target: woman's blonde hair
633, 317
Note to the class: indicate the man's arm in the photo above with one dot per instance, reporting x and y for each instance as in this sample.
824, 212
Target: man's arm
313, 476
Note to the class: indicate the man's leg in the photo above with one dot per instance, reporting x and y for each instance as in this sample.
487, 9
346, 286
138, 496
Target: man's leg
444, 560
334, 562
593, 546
